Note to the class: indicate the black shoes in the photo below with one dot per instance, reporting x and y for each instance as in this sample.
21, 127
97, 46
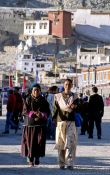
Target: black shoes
37, 162
99, 137
5, 132
82, 133
31, 164
70, 167
31, 161
90, 137
62, 167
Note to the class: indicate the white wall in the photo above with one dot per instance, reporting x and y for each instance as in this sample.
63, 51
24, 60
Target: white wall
36, 31
91, 58
64, 75
95, 26
26, 65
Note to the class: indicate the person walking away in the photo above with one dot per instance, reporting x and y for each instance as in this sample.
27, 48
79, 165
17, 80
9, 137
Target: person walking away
18, 107
10, 111
85, 115
36, 110
66, 132
96, 112
50, 123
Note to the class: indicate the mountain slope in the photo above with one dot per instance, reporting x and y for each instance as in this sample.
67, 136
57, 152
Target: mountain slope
96, 4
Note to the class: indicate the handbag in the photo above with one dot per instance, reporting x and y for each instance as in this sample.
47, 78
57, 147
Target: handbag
78, 119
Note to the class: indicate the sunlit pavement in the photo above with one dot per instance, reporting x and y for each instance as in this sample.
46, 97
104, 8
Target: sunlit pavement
93, 155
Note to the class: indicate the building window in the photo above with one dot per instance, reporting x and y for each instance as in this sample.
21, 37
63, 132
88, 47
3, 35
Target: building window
40, 25
91, 75
27, 56
103, 58
24, 68
108, 75
38, 65
85, 57
42, 65
101, 76
26, 63
34, 26
93, 57
80, 57
31, 69
45, 25
85, 77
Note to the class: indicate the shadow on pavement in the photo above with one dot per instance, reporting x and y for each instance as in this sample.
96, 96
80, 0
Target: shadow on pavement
13, 164
83, 139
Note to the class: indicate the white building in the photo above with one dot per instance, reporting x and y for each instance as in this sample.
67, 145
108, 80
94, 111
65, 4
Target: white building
28, 61
44, 79
92, 56
36, 27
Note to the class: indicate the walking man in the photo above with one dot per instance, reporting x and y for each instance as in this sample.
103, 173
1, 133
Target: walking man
96, 111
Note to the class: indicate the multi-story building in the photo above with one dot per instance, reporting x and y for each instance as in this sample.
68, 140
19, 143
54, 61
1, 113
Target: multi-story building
93, 56
36, 27
96, 75
26, 64
58, 21
53, 25
28, 60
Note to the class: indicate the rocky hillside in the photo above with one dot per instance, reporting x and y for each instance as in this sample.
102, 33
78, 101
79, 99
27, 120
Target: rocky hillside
95, 4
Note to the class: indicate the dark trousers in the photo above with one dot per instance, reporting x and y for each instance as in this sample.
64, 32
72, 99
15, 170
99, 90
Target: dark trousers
97, 122
9, 121
84, 126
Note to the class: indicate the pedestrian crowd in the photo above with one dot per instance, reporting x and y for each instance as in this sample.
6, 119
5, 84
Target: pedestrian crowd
55, 115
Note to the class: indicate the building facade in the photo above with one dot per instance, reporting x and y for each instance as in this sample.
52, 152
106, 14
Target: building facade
36, 27
92, 56
58, 20
99, 75
28, 60
26, 64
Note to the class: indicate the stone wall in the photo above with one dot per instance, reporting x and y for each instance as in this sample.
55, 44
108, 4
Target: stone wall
8, 56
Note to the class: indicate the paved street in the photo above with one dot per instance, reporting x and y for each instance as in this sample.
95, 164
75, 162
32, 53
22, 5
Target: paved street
93, 155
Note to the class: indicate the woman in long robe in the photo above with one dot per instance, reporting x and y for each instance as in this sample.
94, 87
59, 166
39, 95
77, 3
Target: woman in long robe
36, 111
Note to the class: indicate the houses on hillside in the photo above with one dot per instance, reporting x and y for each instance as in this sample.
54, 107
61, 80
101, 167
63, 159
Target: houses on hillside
93, 62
